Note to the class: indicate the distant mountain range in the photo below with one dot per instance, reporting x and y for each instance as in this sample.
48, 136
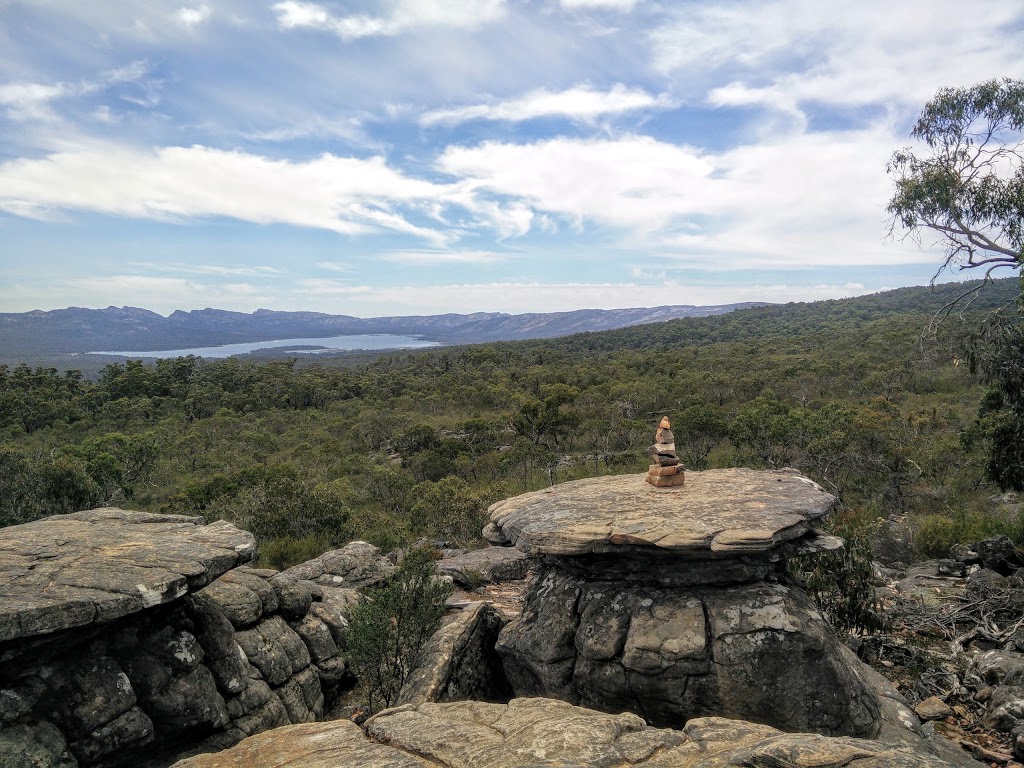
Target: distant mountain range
30, 336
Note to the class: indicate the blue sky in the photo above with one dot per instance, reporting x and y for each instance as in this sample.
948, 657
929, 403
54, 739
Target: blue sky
425, 156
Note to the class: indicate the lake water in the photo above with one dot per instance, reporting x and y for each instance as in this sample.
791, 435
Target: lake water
367, 341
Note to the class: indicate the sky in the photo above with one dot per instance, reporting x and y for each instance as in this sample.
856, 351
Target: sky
397, 157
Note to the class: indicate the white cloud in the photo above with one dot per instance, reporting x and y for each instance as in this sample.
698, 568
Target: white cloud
615, 5
581, 102
785, 53
193, 17
519, 297
435, 257
102, 114
406, 15
30, 101
345, 195
808, 199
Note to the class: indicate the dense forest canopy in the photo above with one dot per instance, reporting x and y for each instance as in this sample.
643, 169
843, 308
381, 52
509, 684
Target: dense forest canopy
414, 445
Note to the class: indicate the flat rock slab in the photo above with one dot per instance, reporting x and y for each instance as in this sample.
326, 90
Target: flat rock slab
73, 570
718, 513
541, 733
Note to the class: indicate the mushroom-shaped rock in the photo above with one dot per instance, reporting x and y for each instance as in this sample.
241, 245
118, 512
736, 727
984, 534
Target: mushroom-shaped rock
718, 513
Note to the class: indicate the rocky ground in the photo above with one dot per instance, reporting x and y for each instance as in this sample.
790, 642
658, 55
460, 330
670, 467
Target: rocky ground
955, 646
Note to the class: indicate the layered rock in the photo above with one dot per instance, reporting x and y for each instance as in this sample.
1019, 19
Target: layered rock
531, 733
128, 634
673, 603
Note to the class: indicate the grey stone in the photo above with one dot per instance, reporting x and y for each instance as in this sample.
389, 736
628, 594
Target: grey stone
933, 708
459, 661
760, 652
717, 512
131, 729
317, 637
242, 596
294, 596
357, 565
71, 570
486, 566
1000, 555
36, 745
87, 693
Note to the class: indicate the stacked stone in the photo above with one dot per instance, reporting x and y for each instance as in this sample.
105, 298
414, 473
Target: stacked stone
668, 471
676, 606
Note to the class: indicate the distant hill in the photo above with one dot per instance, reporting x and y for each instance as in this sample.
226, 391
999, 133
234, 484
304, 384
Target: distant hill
33, 336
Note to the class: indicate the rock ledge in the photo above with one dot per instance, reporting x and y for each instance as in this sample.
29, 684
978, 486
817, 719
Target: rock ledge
718, 513
74, 570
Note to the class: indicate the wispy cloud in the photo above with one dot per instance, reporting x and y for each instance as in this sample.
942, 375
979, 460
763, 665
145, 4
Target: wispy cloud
435, 257
30, 101
615, 5
406, 15
346, 195
581, 102
782, 54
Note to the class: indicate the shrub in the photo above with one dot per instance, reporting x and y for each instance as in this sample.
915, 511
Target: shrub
934, 535
840, 581
390, 624
284, 553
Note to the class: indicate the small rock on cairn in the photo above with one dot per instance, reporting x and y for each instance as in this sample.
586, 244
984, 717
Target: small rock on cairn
668, 472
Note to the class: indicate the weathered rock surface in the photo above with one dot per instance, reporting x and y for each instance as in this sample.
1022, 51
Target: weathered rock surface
531, 733
73, 570
757, 651
355, 566
485, 566
717, 513
251, 650
459, 662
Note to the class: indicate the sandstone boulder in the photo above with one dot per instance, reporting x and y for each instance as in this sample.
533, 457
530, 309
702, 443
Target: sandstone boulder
355, 566
536, 733
485, 566
717, 513
757, 651
72, 570
459, 661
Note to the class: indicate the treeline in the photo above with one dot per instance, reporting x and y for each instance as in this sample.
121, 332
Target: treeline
308, 456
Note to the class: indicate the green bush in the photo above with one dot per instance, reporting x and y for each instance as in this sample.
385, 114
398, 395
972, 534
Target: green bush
840, 581
390, 624
284, 553
934, 535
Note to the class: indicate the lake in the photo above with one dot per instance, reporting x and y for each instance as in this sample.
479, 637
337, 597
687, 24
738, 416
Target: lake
367, 341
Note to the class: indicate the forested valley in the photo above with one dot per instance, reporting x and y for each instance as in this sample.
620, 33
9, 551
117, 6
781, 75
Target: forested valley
872, 397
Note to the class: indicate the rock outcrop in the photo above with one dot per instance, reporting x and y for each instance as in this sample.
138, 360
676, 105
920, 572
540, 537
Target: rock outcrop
531, 733
459, 662
97, 566
673, 603
128, 634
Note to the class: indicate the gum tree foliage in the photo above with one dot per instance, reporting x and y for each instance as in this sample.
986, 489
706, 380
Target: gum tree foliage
967, 183
390, 625
967, 186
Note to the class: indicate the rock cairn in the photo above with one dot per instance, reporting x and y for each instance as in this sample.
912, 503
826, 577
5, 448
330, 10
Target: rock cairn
667, 471
675, 604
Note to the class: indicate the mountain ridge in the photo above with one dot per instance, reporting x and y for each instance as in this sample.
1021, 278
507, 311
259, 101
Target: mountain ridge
77, 330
